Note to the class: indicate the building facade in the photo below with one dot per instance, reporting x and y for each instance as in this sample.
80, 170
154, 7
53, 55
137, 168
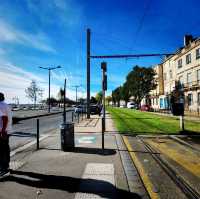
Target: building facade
182, 68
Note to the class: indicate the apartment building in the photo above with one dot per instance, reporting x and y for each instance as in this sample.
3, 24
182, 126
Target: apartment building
159, 90
182, 67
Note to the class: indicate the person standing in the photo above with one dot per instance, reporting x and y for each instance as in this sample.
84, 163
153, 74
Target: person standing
5, 127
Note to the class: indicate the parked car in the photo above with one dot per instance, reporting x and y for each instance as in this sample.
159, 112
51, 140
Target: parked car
145, 107
130, 105
95, 109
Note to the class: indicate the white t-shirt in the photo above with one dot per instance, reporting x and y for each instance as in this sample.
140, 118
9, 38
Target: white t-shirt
5, 111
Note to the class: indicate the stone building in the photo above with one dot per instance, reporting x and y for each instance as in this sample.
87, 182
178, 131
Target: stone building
182, 67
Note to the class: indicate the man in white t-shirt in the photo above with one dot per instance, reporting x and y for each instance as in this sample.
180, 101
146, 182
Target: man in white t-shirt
5, 127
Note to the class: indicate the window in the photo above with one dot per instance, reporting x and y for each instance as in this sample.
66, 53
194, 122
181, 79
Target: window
198, 53
181, 81
170, 74
189, 79
188, 58
198, 99
165, 76
198, 76
179, 63
190, 99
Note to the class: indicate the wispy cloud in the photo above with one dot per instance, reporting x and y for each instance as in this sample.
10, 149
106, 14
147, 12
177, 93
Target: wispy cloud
10, 34
61, 12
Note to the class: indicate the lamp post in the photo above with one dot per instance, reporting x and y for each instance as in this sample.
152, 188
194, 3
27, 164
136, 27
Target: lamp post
77, 86
49, 69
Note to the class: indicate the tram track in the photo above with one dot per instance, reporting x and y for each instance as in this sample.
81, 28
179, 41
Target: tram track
190, 192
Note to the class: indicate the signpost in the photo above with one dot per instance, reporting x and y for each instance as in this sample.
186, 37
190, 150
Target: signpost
177, 104
104, 88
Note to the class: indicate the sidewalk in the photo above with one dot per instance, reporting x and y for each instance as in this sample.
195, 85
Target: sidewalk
84, 173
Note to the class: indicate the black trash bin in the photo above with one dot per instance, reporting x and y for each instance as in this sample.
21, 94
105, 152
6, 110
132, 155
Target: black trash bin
67, 136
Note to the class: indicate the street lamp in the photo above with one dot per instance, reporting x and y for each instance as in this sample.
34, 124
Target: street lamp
49, 69
77, 86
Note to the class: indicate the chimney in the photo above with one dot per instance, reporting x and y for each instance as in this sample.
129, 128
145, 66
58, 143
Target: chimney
187, 39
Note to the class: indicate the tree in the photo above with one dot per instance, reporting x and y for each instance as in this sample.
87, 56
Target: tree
125, 93
93, 100
108, 99
34, 92
140, 82
116, 95
61, 94
99, 97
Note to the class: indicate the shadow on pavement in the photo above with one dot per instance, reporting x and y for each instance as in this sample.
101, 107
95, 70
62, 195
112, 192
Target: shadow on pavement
68, 184
94, 151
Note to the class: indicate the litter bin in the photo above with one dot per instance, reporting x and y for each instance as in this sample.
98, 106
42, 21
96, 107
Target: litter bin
67, 136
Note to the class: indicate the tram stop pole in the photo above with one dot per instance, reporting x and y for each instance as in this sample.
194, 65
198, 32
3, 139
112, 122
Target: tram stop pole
104, 88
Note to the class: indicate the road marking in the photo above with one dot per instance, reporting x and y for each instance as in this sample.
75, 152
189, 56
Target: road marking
97, 180
147, 183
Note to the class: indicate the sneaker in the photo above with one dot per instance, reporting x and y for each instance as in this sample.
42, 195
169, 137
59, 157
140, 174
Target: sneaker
4, 173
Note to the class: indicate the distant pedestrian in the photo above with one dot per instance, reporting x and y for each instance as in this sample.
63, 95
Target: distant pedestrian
5, 127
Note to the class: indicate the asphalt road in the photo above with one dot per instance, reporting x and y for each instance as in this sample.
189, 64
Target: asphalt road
25, 131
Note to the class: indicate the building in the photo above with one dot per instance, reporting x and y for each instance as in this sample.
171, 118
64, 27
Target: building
155, 94
182, 68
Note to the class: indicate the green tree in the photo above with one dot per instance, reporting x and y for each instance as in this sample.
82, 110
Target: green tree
33, 92
125, 93
99, 97
140, 82
93, 100
61, 94
108, 99
116, 95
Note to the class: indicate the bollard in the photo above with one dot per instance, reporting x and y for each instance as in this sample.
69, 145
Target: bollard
38, 133
78, 117
72, 116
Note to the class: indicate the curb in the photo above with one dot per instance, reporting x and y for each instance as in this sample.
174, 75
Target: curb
17, 119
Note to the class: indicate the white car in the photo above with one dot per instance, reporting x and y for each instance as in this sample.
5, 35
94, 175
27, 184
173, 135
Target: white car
130, 105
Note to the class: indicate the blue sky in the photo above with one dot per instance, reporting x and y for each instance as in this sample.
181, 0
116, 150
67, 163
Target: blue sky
47, 33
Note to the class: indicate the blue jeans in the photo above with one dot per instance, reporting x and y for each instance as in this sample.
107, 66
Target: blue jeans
4, 153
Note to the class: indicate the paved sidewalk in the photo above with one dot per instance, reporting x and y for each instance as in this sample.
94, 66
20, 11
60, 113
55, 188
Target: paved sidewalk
86, 172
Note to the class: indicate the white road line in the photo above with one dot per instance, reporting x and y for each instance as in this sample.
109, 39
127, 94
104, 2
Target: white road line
12, 153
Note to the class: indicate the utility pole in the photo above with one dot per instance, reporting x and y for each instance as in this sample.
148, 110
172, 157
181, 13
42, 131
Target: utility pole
49, 69
88, 73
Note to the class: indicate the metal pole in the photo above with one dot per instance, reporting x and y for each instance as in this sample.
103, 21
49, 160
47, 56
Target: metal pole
38, 134
78, 117
64, 113
88, 73
72, 116
103, 67
76, 94
49, 90
182, 123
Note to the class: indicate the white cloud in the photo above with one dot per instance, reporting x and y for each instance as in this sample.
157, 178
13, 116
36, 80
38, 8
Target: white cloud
11, 34
14, 81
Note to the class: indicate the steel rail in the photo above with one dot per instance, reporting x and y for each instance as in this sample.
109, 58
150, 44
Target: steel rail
178, 180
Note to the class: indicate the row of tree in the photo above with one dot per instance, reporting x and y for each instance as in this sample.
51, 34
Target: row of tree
139, 82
